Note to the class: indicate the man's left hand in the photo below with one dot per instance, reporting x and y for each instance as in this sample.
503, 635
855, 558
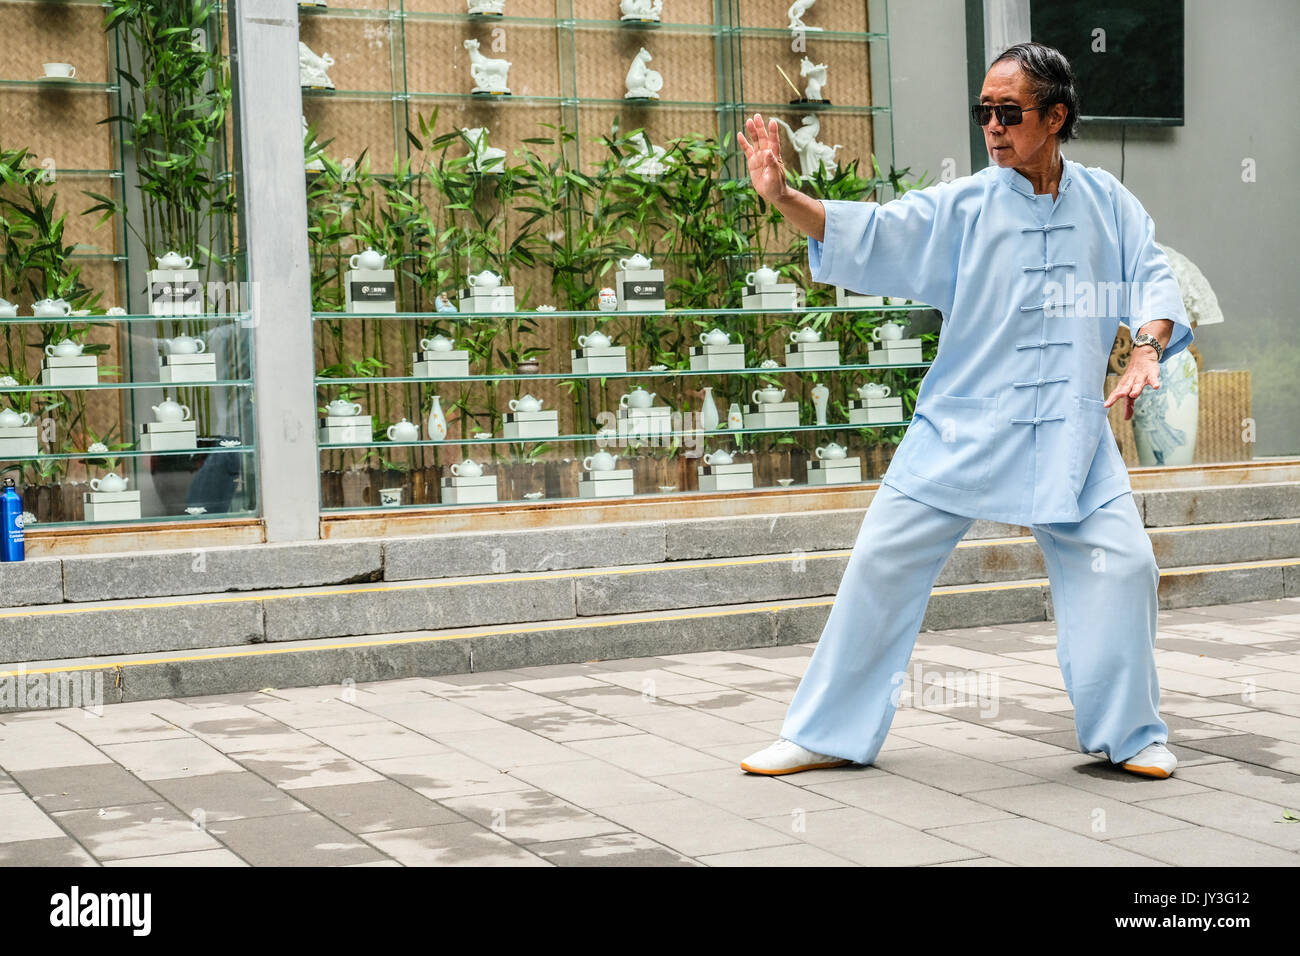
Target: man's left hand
1143, 370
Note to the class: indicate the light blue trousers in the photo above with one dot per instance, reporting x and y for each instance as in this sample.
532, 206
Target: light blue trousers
1103, 576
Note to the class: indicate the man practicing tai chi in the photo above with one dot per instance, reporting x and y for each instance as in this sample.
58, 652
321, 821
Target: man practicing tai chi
1033, 262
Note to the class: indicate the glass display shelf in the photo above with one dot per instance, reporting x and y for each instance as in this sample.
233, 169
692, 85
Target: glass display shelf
98, 455
100, 317
347, 13
232, 383
417, 16
785, 33
638, 26
55, 3
648, 433
143, 520
666, 373
815, 107
59, 85
597, 314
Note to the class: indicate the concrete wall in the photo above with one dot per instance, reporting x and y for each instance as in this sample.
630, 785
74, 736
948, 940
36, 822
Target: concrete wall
1241, 75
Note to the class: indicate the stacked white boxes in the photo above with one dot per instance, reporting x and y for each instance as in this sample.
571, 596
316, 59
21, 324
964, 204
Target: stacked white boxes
771, 415
894, 352
610, 483
187, 367
639, 290
834, 471
346, 429
464, 490
168, 436
737, 476
812, 354
70, 370
648, 422
18, 440
540, 424
430, 363
713, 358
111, 505
778, 295
874, 411
480, 298
597, 360
846, 299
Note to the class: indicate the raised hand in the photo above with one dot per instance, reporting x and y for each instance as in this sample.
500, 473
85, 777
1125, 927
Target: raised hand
763, 154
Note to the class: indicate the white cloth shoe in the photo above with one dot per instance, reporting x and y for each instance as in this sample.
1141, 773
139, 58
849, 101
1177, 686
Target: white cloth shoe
1153, 760
786, 756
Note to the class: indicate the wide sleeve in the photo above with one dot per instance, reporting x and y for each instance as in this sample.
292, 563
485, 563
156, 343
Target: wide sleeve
906, 248
1153, 289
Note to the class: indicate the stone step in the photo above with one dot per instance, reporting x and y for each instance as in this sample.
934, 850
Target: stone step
199, 670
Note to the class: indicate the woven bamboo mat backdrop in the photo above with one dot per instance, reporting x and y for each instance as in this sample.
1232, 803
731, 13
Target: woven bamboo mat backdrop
38, 33
849, 17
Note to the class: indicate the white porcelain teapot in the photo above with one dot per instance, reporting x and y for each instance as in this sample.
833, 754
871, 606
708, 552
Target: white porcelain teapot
761, 277
719, 457
173, 261
887, 332
368, 260
525, 404
767, 395
637, 398
185, 345
634, 262
403, 431
12, 419
439, 343
831, 451
110, 482
468, 468
341, 408
873, 390
51, 308
601, 461
715, 337
487, 279
169, 411
8, 310
65, 349
596, 340
807, 334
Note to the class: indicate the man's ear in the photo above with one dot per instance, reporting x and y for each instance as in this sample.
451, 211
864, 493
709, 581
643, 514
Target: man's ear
1056, 117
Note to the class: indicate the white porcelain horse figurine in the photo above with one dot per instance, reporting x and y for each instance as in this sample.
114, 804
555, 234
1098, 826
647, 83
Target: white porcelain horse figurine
812, 154
311, 68
648, 161
641, 9
796, 12
816, 75
487, 159
489, 74
643, 82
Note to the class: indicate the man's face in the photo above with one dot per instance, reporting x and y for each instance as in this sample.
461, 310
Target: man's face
1032, 140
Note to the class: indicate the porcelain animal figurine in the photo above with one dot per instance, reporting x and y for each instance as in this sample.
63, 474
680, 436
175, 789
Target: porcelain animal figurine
525, 404
184, 345
403, 431
641, 9
637, 398
487, 7
805, 335
815, 73
174, 262
489, 74
487, 159
887, 332
109, 483
595, 340
608, 300
369, 260
468, 468
830, 452
487, 279
170, 411
12, 419
719, 457
601, 461
767, 395
439, 343
8, 310
444, 304
115, 310
312, 67
634, 262
873, 390
715, 337
341, 408
646, 161
812, 154
821, 398
642, 82
65, 349
796, 13
51, 308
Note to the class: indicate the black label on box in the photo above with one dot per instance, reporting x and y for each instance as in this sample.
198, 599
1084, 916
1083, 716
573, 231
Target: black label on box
373, 292
175, 292
643, 289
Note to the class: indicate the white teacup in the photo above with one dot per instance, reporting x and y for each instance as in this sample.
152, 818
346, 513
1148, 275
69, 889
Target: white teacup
403, 431
65, 349
887, 332
439, 343
110, 482
370, 259
805, 334
634, 261
768, 395
525, 404
486, 279
342, 409
468, 468
762, 276
715, 337
60, 71
601, 461
12, 419
51, 308
873, 390
596, 340
831, 451
719, 457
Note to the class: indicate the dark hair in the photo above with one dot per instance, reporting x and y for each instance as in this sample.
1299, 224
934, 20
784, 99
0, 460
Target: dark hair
1051, 80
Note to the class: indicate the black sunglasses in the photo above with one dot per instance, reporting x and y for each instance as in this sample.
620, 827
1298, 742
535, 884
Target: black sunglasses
1008, 113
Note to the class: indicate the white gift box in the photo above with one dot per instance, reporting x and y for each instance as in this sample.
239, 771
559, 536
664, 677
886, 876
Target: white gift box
464, 490
645, 422
738, 476
781, 295
834, 471
543, 424
874, 411
430, 364
370, 290
175, 292
167, 436
846, 299
197, 367
111, 505
614, 483
713, 358
346, 429
895, 352
18, 440
594, 360
70, 370
771, 415
812, 354
476, 299
639, 290
650, 411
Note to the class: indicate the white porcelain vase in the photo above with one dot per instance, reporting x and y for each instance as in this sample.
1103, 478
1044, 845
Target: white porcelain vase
1164, 418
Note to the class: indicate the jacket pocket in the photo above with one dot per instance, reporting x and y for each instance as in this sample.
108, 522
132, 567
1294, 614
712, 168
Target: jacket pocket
1089, 418
950, 441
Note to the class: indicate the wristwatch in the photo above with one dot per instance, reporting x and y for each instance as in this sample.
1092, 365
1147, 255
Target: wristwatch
1145, 338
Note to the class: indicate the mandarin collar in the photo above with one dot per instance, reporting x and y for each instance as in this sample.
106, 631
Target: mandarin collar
1023, 186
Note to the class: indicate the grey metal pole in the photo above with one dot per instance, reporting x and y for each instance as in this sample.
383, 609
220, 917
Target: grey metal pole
268, 104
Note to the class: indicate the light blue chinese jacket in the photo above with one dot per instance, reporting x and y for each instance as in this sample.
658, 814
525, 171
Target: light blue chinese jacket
1009, 423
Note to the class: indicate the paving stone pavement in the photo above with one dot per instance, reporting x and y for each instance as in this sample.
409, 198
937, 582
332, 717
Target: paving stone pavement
634, 763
